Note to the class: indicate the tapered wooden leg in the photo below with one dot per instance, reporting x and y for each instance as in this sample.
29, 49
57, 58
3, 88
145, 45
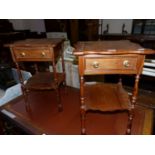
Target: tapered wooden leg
83, 108
83, 119
130, 119
64, 82
28, 107
22, 82
63, 66
60, 108
25, 95
133, 102
64, 87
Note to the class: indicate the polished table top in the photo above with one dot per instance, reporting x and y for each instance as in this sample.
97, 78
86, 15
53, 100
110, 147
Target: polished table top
38, 42
110, 47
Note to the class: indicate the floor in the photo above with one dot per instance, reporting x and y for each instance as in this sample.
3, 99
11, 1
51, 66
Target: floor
44, 115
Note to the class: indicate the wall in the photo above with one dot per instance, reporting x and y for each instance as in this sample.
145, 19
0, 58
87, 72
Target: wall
115, 25
18, 24
28, 24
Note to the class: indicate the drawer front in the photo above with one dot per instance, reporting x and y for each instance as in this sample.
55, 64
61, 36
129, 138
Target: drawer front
32, 54
113, 65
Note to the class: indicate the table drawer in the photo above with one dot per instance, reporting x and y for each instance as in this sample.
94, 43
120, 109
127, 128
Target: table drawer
115, 64
23, 54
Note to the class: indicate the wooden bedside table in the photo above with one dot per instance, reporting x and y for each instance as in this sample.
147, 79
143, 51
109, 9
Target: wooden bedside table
40, 50
109, 57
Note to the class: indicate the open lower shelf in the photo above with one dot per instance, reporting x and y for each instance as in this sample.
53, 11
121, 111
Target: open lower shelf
106, 97
44, 81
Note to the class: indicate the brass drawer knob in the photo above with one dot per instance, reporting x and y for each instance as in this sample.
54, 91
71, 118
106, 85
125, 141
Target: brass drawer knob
126, 63
22, 54
43, 54
95, 64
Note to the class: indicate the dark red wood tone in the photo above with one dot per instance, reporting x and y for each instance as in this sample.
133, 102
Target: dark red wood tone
36, 50
109, 57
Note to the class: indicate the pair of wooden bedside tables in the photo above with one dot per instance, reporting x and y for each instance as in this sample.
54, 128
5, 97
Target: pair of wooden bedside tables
94, 58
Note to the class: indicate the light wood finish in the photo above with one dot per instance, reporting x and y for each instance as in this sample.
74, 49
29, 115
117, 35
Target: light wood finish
40, 50
109, 57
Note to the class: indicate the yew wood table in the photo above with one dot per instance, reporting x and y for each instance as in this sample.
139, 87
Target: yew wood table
40, 50
109, 57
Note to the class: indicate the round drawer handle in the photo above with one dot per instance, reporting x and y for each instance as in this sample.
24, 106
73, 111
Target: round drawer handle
43, 54
95, 64
126, 63
22, 54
